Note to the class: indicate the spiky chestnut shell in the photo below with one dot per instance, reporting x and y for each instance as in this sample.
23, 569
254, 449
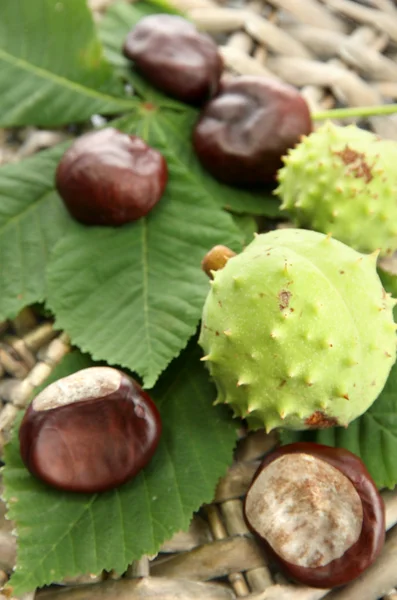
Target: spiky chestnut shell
343, 181
298, 331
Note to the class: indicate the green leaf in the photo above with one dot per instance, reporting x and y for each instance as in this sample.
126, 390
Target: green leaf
372, 437
52, 70
170, 132
248, 227
65, 534
147, 93
113, 29
32, 220
133, 296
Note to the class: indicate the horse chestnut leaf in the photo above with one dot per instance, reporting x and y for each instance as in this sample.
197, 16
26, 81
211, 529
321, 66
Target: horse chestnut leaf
318, 513
177, 59
90, 431
242, 134
110, 178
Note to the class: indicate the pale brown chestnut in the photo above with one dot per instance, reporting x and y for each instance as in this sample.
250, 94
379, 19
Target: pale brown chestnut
216, 259
90, 431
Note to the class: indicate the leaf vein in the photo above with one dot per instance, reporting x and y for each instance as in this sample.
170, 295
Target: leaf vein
62, 81
44, 556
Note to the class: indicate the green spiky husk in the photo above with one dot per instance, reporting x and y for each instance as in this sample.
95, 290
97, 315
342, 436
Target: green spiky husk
298, 331
343, 181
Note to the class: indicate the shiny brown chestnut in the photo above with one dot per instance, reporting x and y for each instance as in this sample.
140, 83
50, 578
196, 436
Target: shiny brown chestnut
177, 59
317, 512
244, 131
110, 178
90, 431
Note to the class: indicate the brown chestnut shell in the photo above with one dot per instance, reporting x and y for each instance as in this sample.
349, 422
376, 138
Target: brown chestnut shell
94, 444
245, 130
370, 542
175, 57
110, 178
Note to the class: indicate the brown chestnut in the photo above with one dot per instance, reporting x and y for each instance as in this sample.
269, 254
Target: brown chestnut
318, 513
90, 431
110, 178
216, 259
177, 59
242, 134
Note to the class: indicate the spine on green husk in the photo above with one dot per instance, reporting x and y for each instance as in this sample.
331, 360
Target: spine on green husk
298, 331
343, 181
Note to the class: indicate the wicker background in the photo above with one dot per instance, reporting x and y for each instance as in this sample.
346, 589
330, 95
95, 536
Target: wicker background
339, 53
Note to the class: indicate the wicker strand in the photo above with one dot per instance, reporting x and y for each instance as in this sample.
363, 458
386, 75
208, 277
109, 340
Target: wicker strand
16, 357
368, 16
236, 579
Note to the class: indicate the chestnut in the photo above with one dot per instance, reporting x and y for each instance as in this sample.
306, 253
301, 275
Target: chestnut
216, 259
317, 512
90, 431
177, 59
242, 134
110, 178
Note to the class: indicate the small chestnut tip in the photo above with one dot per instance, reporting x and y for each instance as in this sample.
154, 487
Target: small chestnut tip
317, 512
216, 259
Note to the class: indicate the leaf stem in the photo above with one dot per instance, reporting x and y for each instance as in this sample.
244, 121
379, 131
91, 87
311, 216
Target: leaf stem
359, 111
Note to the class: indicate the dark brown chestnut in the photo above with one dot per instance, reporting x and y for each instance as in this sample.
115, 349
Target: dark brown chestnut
242, 134
318, 513
110, 178
90, 431
177, 59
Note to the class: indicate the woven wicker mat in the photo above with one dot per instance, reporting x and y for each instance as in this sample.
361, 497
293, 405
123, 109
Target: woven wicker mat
339, 53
